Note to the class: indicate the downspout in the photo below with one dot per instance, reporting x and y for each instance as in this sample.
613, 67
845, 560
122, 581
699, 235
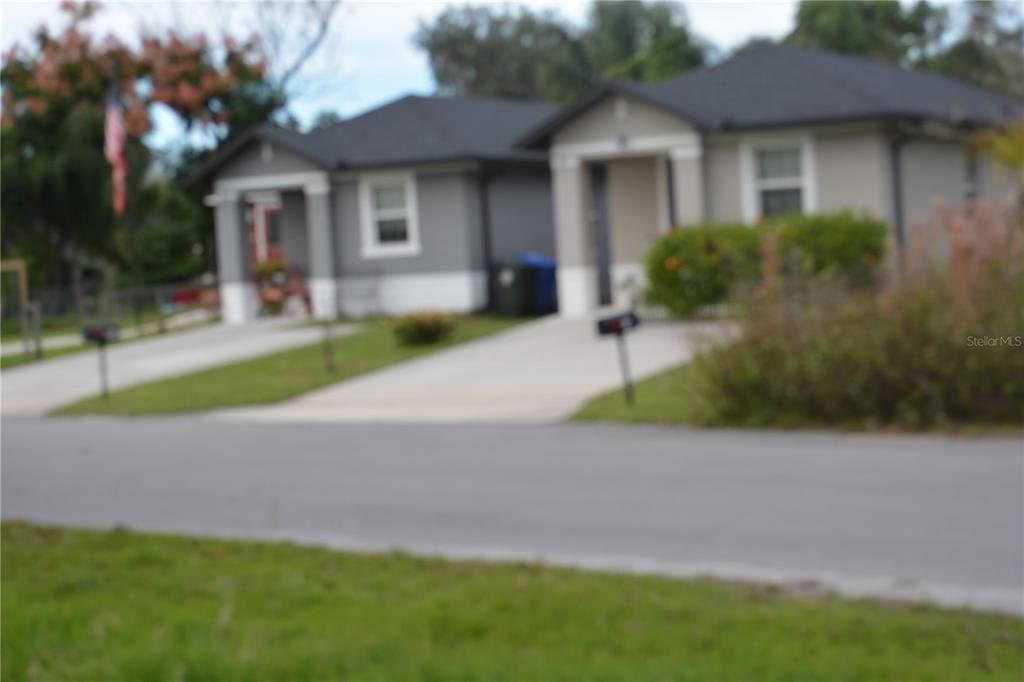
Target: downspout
898, 218
487, 240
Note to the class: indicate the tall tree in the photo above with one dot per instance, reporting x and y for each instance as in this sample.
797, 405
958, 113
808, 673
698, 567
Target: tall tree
881, 29
641, 41
515, 52
502, 52
56, 201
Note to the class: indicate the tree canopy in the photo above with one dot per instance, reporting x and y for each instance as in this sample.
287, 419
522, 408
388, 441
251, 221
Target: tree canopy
516, 52
56, 182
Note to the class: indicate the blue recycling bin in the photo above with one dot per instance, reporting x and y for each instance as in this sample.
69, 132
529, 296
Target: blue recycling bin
543, 298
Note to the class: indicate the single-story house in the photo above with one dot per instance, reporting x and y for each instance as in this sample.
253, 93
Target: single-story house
402, 208
407, 205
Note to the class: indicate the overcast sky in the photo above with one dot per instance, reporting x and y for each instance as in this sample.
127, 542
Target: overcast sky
369, 58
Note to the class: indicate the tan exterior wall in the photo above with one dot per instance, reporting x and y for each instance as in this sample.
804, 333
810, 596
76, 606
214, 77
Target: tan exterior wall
853, 173
571, 198
615, 117
632, 208
724, 192
933, 170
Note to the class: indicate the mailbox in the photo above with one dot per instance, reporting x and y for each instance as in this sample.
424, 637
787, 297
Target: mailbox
617, 324
102, 333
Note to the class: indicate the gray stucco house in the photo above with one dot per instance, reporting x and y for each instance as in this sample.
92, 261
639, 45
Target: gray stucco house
405, 206
399, 209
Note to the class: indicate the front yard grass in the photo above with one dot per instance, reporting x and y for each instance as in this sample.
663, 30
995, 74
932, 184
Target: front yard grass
18, 359
665, 398
278, 376
125, 607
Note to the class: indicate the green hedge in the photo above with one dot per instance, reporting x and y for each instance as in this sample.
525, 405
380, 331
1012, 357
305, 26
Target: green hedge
697, 266
700, 265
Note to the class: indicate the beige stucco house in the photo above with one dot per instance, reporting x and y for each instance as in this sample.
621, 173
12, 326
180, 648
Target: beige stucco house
773, 130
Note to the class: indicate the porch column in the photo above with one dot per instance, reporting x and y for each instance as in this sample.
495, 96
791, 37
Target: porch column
323, 282
688, 184
238, 302
577, 278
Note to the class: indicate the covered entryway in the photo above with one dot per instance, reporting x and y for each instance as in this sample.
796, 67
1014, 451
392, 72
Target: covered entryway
623, 172
269, 202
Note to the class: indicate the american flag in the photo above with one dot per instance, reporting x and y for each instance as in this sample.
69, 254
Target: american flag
113, 148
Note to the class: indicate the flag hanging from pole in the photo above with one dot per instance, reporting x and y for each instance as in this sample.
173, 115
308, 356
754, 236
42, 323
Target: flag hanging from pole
113, 147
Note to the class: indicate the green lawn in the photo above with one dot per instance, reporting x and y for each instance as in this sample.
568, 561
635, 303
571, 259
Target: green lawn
275, 377
120, 606
666, 398
9, 361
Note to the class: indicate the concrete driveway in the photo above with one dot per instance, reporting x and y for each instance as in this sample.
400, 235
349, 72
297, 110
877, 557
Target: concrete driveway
891, 516
35, 389
539, 372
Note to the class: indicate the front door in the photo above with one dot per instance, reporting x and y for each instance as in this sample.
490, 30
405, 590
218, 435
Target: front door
602, 235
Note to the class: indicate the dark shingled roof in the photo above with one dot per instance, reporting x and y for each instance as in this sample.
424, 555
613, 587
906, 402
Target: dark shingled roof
769, 86
412, 129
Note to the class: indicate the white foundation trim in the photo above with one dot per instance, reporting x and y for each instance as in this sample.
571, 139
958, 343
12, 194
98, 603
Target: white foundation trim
238, 302
577, 290
323, 296
455, 292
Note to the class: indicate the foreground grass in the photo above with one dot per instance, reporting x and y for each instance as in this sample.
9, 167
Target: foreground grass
666, 398
121, 606
275, 377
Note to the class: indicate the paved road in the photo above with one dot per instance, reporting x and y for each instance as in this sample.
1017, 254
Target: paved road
538, 372
898, 517
35, 389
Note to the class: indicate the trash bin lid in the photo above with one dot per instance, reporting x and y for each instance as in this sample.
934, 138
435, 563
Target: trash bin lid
536, 260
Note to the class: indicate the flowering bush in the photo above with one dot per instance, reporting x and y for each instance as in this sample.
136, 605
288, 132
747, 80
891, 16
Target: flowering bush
424, 328
700, 266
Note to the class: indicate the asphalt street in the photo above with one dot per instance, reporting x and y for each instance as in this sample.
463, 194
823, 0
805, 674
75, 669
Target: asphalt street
901, 517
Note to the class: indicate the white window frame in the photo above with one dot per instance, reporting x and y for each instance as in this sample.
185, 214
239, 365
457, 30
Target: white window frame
372, 247
753, 185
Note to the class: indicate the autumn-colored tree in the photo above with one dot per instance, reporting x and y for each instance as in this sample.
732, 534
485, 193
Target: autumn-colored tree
56, 199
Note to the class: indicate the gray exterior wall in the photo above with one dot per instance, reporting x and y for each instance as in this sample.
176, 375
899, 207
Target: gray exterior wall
448, 223
249, 162
294, 233
521, 212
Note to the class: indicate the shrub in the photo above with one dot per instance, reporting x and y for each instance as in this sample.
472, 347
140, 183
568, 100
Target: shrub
835, 244
424, 328
697, 266
943, 346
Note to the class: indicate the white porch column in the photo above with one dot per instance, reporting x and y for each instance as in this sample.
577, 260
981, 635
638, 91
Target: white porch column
688, 184
238, 302
323, 282
574, 248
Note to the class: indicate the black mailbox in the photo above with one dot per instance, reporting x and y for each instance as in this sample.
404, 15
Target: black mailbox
102, 333
617, 324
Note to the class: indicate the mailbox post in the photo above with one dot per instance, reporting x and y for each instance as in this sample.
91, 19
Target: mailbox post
101, 334
618, 325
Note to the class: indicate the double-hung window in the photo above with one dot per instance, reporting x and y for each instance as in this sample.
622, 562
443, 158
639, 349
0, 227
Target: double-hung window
389, 223
779, 180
